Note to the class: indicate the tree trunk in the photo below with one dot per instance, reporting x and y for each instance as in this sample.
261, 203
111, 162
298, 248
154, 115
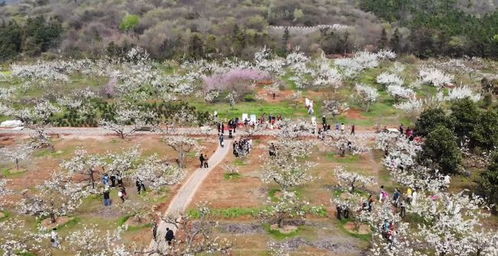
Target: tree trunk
280, 222
181, 159
52, 217
17, 164
368, 106
92, 179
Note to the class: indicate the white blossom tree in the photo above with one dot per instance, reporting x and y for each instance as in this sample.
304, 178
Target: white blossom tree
56, 197
91, 240
344, 142
156, 173
16, 240
17, 154
368, 95
334, 107
435, 77
400, 92
287, 167
288, 206
388, 79
182, 145
352, 180
83, 163
462, 92
128, 120
3, 192
122, 163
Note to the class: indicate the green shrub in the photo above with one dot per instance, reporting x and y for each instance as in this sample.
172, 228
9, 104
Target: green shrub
129, 22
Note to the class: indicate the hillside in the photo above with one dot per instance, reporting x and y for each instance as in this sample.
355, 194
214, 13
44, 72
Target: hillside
214, 28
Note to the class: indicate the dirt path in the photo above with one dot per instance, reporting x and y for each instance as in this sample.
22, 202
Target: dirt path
96, 132
182, 199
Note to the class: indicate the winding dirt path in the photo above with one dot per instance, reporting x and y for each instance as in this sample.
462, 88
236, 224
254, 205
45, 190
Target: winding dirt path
182, 199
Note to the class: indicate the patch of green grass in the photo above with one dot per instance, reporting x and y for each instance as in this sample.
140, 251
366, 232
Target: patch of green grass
231, 176
26, 254
3, 118
290, 84
279, 235
364, 237
46, 152
272, 194
339, 192
227, 212
415, 219
6, 215
346, 159
239, 162
12, 172
122, 220
321, 211
70, 224
284, 108
137, 228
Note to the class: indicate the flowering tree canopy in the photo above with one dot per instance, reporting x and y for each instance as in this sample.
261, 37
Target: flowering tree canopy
368, 95
287, 167
352, 180
83, 163
288, 206
182, 145
57, 196
156, 173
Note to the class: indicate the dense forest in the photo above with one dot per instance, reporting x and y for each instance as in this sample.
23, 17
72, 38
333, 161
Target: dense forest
215, 28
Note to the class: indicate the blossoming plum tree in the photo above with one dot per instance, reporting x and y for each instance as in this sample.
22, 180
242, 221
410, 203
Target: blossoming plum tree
287, 167
56, 197
368, 95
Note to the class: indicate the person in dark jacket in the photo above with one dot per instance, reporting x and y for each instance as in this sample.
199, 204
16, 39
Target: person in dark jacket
169, 235
107, 198
202, 159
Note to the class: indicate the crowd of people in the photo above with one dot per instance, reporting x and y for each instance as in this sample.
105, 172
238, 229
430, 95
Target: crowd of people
242, 147
116, 180
398, 202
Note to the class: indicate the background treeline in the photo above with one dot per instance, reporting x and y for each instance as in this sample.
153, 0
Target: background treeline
217, 28
429, 28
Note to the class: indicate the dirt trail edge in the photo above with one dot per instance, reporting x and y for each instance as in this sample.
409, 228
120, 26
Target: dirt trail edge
182, 199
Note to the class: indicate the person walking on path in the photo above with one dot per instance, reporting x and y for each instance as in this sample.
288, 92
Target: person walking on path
107, 198
352, 130
206, 164
105, 179
122, 194
119, 178
202, 159
137, 184
169, 236
140, 186
222, 144
54, 238
113, 180
383, 194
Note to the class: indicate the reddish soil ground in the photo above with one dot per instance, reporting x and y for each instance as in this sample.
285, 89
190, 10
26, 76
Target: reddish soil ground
354, 114
245, 191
